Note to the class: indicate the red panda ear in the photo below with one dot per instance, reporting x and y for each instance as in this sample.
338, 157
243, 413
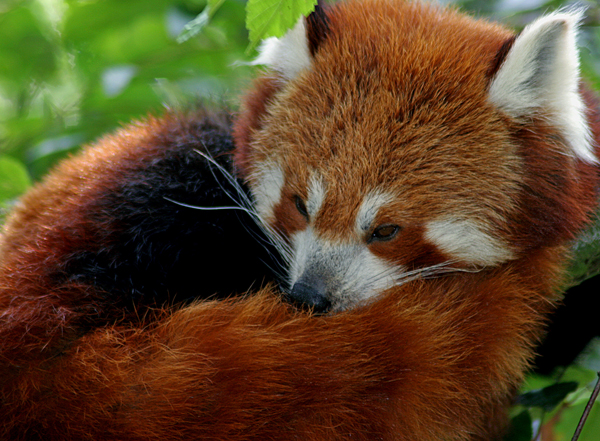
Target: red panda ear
540, 75
292, 53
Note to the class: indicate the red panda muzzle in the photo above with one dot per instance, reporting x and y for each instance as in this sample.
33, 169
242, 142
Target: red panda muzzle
312, 296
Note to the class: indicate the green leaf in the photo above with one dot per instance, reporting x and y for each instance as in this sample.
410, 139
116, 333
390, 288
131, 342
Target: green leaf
25, 51
520, 428
586, 254
14, 179
589, 358
272, 18
549, 397
196, 26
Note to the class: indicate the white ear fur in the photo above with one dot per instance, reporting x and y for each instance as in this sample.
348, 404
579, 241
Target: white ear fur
541, 71
288, 55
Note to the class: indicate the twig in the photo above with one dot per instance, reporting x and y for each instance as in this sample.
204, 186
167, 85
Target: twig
587, 410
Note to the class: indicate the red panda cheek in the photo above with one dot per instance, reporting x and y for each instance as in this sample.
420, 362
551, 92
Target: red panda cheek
409, 249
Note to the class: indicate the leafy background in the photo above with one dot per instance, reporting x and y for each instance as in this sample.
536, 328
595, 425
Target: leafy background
71, 70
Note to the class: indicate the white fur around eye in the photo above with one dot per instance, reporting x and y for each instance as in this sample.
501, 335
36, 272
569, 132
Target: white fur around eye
316, 195
369, 208
268, 182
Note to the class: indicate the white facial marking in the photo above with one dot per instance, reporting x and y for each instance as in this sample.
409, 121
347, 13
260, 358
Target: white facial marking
316, 195
269, 181
541, 71
350, 271
370, 206
289, 55
464, 240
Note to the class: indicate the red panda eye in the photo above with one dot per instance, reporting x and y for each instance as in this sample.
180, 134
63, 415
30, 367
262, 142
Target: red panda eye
384, 233
301, 207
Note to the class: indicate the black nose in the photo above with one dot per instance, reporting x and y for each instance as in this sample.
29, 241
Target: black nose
309, 297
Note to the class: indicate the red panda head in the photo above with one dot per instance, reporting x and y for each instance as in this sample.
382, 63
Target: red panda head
392, 140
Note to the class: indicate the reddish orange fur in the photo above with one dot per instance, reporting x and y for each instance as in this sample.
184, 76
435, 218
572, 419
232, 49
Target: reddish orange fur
430, 360
320, 126
434, 97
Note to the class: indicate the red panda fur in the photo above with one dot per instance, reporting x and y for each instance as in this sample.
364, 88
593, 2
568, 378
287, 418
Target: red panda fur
397, 97
458, 58
425, 362
433, 359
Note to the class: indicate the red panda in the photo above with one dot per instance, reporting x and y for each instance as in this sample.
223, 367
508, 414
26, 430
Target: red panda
420, 172
399, 141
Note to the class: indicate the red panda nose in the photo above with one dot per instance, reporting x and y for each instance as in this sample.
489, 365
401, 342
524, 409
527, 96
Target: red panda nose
310, 296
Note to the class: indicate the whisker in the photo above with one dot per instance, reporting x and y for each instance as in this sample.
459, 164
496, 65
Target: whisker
434, 271
245, 202
203, 208
230, 178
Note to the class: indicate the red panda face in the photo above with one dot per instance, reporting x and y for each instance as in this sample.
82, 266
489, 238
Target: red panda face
391, 146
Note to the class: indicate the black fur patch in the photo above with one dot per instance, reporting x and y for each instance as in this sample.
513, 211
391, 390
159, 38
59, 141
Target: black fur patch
160, 252
500, 57
317, 27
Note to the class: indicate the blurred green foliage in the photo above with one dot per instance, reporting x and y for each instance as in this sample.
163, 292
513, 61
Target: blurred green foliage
72, 70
